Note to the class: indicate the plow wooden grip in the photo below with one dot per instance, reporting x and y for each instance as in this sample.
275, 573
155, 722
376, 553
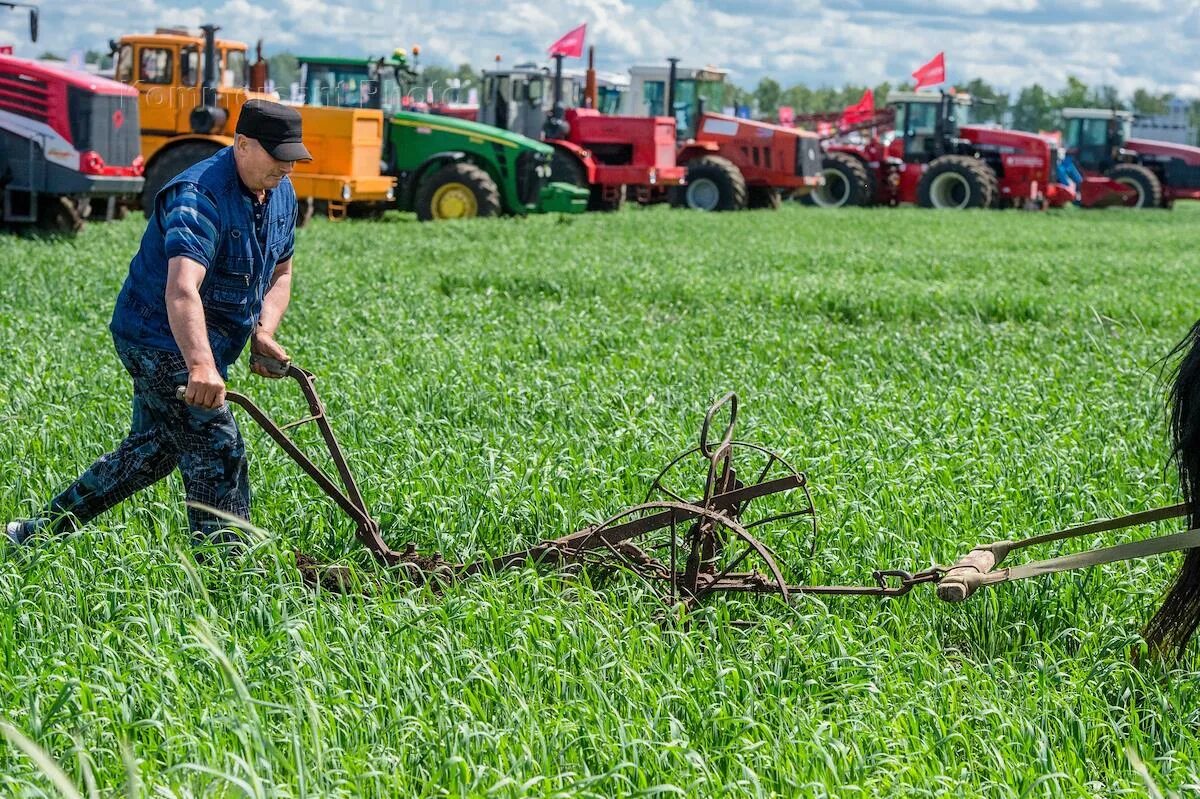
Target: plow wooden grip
964, 578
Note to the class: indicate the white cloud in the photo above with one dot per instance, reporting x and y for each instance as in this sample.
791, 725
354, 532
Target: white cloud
1011, 43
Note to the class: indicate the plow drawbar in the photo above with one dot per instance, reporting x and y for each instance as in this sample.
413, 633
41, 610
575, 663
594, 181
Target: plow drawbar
688, 549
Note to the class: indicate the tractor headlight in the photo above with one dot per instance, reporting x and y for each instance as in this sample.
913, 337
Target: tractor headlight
391, 193
346, 194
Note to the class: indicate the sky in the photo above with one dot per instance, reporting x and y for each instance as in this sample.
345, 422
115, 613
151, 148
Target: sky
1153, 44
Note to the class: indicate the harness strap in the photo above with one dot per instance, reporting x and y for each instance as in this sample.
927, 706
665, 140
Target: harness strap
979, 566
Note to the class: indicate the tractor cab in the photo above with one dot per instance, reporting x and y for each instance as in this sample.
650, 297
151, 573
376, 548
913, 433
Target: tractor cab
1095, 136
520, 99
697, 89
927, 124
353, 83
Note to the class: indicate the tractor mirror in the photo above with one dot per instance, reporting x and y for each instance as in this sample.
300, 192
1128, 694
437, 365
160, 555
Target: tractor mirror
33, 24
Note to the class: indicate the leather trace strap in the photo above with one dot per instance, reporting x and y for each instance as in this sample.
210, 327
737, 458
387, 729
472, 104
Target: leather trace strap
979, 566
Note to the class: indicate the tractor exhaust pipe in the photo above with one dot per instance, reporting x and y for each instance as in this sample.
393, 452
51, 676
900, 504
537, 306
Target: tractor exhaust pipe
590, 91
556, 123
672, 75
207, 117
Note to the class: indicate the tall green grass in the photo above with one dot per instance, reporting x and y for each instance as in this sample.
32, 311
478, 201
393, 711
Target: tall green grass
944, 379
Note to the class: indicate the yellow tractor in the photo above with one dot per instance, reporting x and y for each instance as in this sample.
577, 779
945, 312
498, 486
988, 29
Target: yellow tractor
191, 89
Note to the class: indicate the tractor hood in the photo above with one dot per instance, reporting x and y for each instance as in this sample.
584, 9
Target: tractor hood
1164, 149
472, 130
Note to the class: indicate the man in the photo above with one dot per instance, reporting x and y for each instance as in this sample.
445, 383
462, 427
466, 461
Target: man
214, 270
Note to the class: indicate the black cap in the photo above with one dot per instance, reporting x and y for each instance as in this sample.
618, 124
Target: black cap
276, 127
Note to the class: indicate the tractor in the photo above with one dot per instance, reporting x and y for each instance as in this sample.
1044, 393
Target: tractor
732, 163
446, 167
68, 143
1159, 173
192, 88
936, 159
609, 155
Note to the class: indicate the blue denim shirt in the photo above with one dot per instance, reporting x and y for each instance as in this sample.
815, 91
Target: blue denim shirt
207, 214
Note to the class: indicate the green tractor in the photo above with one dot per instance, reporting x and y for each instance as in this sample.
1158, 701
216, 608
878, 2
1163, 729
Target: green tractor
446, 167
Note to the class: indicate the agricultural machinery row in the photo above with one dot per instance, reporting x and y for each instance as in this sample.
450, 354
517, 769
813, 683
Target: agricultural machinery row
923, 150
80, 146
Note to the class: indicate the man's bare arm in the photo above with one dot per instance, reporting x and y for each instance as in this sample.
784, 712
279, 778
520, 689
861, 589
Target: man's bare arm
185, 312
275, 304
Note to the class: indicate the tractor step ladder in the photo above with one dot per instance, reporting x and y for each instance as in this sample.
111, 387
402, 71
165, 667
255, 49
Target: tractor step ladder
336, 210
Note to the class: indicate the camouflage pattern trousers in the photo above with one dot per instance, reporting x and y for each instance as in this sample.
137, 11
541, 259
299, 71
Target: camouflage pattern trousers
165, 433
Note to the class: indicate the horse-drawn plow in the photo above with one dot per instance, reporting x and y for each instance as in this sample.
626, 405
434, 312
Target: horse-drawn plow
703, 527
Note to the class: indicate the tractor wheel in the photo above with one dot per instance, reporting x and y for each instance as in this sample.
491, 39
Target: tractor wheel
565, 168
58, 214
713, 184
765, 197
1146, 183
957, 182
170, 164
847, 182
457, 191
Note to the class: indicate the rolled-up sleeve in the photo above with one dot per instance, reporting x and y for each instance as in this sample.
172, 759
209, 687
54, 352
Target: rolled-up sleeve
191, 224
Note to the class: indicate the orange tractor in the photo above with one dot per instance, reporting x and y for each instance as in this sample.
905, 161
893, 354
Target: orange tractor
191, 89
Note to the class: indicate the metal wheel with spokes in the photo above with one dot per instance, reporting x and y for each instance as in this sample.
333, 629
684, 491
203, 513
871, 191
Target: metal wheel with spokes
698, 551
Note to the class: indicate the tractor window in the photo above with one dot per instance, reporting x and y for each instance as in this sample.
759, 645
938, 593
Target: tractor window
533, 92
341, 87
654, 97
235, 75
124, 71
189, 66
390, 94
154, 65
920, 119
685, 107
713, 94
609, 100
1095, 133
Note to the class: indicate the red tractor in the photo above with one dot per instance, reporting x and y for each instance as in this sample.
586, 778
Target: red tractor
608, 154
69, 141
1158, 173
936, 159
732, 163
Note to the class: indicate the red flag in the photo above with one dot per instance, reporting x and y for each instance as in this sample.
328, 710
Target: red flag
570, 45
932, 73
861, 111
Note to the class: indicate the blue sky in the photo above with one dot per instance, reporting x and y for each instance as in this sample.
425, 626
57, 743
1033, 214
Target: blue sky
1130, 43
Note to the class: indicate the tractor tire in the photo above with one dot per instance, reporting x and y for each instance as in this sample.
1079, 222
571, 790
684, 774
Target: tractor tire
713, 184
1147, 184
170, 164
596, 201
765, 197
957, 182
457, 191
848, 182
565, 168
58, 214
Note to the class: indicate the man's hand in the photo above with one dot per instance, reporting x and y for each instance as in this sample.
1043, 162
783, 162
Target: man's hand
266, 346
205, 388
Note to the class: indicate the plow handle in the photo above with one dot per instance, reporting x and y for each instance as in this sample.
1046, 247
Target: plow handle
706, 448
966, 576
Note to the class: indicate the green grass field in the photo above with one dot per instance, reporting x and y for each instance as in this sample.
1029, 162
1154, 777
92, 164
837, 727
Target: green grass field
943, 379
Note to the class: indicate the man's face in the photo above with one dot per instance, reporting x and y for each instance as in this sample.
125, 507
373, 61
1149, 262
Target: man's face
258, 169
